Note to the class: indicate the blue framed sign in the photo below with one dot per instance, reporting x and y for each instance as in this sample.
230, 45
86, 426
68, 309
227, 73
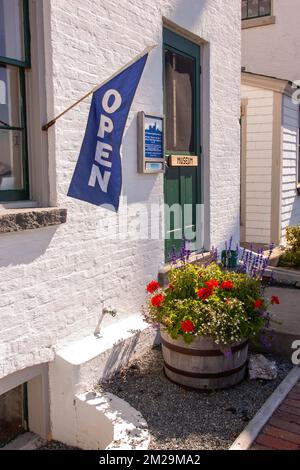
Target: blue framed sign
151, 143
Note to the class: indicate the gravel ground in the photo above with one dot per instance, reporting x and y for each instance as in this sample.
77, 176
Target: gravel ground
55, 445
181, 419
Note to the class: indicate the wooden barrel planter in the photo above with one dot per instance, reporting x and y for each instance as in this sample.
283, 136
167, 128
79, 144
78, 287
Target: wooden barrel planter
201, 364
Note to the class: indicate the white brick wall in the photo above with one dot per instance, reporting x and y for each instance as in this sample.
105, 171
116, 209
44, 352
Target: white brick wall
53, 281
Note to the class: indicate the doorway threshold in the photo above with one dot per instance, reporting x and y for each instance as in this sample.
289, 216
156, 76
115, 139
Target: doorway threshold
26, 441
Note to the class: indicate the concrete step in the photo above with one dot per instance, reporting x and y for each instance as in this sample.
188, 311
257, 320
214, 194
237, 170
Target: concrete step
26, 441
284, 276
287, 314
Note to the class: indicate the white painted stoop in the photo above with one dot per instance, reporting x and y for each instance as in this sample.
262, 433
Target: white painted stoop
87, 419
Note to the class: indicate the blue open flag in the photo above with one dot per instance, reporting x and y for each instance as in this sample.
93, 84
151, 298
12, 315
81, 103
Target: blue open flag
97, 178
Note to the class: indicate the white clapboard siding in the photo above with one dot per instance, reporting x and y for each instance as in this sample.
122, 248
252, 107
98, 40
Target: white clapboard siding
258, 163
290, 200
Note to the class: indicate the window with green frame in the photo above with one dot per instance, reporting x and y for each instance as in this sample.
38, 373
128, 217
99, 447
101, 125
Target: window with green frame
14, 60
256, 8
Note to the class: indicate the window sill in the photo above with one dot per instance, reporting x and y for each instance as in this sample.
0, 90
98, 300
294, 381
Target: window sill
18, 205
255, 22
17, 220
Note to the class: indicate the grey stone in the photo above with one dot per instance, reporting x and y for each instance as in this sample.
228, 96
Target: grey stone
284, 276
262, 368
16, 220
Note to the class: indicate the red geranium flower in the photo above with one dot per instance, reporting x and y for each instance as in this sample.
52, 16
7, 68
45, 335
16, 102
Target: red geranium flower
212, 283
204, 293
275, 300
227, 285
257, 304
157, 300
187, 326
152, 287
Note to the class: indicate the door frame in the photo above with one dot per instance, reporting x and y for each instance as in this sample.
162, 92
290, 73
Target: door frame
243, 167
179, 43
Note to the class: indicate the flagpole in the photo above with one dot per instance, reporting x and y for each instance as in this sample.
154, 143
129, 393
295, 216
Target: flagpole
135, 59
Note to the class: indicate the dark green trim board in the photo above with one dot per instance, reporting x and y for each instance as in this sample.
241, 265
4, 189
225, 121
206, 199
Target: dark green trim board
24, 135
27, 37
23, 193
183, 184
16, 63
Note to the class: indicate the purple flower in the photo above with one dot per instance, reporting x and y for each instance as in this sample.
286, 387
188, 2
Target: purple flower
264, 267
227, 351
267, 338
254, 270
271, 249
182, 254
173, 256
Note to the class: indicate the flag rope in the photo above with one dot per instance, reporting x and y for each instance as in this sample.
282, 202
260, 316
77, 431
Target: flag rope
132, 61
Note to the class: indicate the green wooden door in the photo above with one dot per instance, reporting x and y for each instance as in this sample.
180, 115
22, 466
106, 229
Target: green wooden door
182, 109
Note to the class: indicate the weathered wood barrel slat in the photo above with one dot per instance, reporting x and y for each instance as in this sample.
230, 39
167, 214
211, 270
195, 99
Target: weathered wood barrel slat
201, 364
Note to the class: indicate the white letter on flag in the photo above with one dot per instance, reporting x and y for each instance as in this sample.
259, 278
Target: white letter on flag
102, 150
106, 125
115, 105
102, 180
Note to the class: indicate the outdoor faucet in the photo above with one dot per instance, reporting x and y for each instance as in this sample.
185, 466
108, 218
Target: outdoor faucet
105, 311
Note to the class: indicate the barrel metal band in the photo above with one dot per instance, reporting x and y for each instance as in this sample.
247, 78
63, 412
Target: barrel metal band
196, 375
200, 352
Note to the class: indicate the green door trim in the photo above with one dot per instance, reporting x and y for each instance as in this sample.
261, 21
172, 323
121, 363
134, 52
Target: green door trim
175, 43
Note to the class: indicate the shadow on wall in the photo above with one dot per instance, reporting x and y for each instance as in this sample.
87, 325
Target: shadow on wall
290, 199
190, 14
24, 247
121, 355
143, 186
294, 214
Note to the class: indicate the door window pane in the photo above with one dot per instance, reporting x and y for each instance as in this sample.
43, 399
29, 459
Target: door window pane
265, 7
244, 9
9, 96
179, 77
11, 168
11, 29
253, 9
